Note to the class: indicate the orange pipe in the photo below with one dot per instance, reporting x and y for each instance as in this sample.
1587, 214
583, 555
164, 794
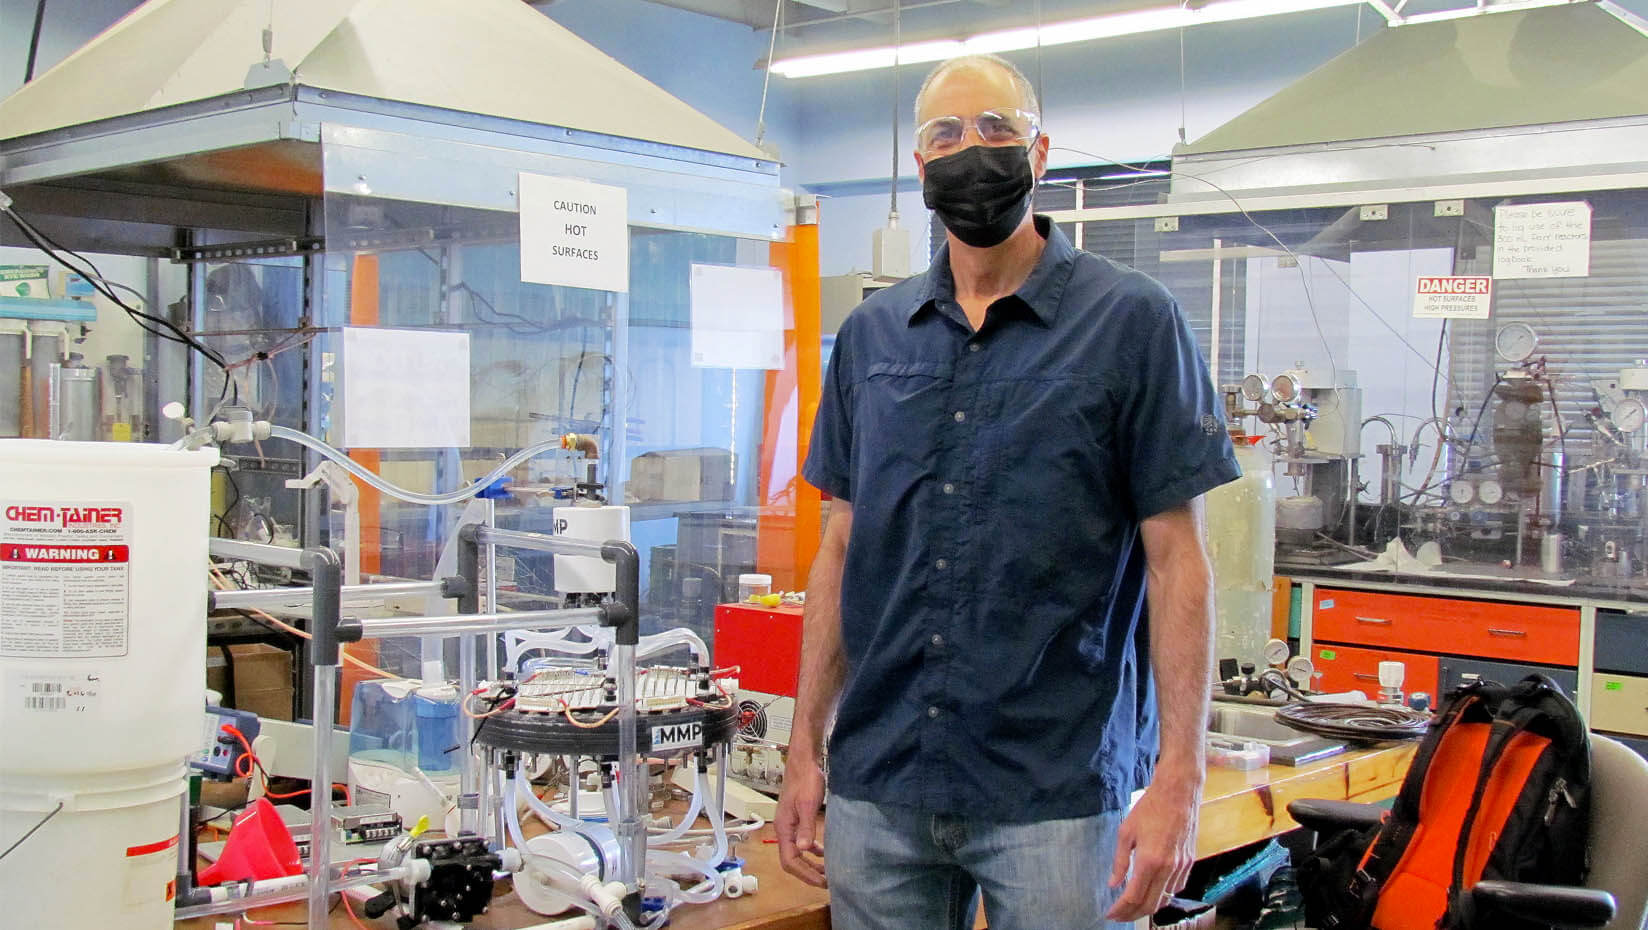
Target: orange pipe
363, 311
788, 527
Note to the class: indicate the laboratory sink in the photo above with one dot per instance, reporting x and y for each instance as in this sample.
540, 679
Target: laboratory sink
1257, 723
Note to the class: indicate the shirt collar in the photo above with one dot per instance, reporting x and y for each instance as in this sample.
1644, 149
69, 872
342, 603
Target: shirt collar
1042, 291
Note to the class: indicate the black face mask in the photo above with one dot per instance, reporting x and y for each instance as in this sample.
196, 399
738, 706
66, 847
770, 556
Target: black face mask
980, 193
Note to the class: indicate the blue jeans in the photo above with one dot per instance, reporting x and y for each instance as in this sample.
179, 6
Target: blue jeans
895, 868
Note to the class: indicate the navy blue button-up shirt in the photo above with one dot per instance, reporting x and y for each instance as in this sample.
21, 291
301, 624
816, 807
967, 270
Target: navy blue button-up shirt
993, 596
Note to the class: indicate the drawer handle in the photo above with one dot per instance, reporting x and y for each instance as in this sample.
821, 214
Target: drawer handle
1378, 621
1496, 632
1364, 676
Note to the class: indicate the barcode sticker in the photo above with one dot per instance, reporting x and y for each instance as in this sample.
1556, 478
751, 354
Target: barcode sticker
54, 693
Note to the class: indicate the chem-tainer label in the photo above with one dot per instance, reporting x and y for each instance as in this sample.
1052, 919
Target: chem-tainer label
65, 579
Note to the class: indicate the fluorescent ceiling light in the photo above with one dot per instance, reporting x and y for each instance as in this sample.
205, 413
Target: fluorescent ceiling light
1504, 6
1135, 22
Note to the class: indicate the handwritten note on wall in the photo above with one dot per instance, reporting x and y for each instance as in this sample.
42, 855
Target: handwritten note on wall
1542, 240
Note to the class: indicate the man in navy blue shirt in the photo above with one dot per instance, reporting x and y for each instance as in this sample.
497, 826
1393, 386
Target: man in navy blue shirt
1011, 610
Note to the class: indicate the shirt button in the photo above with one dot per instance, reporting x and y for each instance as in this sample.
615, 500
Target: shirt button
949, 488
961, 415
974, 347
932, 711
938, 640
941, 564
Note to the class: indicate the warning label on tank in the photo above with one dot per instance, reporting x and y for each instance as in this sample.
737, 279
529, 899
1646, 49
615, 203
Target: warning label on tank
65, 579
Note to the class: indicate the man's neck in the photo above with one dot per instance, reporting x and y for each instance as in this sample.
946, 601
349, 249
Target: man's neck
990, 273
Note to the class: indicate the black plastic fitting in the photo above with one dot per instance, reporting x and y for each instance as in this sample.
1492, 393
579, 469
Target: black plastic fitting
326, 575
625, 612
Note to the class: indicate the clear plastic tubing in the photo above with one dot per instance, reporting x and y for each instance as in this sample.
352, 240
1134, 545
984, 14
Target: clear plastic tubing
705, 891
690, 817
669, 639
416, 497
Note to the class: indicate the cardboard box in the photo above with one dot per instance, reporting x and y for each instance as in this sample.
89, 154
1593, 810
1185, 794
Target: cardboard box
263, 679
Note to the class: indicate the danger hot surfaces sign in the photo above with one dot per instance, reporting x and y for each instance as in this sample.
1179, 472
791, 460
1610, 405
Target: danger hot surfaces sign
1453, 297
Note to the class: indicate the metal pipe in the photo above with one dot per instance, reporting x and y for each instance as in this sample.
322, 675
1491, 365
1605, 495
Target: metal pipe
327, 572
537, 542
626, 820
457, 624
469, 796
282, 556
351, 594
285, 894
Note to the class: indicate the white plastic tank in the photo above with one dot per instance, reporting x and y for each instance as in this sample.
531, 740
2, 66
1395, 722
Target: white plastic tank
583, 574
1241, 543
102, 676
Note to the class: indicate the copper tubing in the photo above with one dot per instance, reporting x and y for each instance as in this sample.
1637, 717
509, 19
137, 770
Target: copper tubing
582, 442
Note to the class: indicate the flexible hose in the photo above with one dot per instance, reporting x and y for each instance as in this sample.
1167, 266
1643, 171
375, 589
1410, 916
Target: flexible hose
415, 497
705, 891
1355, 722
690, 817
669, 639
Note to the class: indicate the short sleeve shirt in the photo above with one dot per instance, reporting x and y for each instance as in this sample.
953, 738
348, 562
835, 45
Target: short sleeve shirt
993, 594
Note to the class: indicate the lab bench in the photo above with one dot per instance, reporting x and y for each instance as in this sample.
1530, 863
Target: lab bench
1238, 808
1590, 638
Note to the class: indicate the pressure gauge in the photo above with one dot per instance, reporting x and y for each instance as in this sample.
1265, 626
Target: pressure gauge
1490, 492
1515, 342
1628, 415
1253, 388
1285, 388
1301, 670
1276, 652
1461, 492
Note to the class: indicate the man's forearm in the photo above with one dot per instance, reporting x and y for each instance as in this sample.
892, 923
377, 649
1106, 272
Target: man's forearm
823, 665
1181, 644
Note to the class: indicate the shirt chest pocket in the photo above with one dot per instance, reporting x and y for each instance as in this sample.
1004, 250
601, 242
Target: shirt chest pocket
900, 406
1064, 428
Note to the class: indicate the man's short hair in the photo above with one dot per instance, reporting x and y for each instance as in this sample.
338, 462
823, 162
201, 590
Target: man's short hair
1027, 91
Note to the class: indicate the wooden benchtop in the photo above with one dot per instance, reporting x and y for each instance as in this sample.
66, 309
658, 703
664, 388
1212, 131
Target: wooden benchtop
1238, 808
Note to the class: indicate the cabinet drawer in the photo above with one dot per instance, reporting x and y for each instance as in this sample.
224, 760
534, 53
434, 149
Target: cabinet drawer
1619, 703
1456, 671
1622, 642
1519, 632
1347, 668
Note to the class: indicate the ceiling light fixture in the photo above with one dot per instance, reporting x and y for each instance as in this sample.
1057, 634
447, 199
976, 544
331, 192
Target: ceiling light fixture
1112, 25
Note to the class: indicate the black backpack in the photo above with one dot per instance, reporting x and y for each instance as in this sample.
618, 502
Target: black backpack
1499, 789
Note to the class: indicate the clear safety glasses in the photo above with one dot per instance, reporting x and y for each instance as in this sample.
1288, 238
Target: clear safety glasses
1003, 126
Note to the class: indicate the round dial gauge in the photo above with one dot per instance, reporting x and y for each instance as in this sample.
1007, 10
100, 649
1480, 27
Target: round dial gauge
1629, 415
1285, 388
1461, 492
1490, 492
1253, 388
1276, 652
1515, 342
1301, 670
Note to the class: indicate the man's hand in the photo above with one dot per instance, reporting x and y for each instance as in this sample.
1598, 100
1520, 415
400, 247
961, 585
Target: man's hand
1158, 838
797, 822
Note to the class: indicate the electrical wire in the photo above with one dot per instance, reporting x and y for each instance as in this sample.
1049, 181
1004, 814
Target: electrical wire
270, 620
167, 330
766, 76
32, 830
250, 758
